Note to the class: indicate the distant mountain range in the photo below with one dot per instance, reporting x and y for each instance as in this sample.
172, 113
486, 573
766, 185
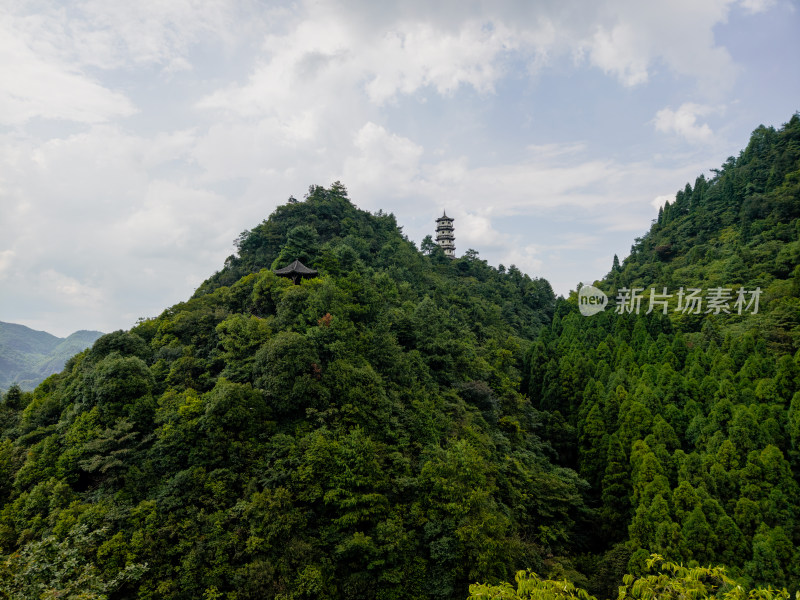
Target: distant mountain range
28, 357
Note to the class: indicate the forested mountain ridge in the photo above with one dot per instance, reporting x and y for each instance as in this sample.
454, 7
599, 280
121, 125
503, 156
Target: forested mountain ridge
360, 435
740, 228
28, 356
687, 425
406, 424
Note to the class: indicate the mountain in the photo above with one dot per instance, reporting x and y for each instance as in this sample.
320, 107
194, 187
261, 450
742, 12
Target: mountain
404, 424
686, 425
739, 229
359, 435
27, 357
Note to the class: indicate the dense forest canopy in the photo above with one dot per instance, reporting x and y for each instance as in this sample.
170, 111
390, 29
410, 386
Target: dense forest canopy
360, 435
405, 424
687, 425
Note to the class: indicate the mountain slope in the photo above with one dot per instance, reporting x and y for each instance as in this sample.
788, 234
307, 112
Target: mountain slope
406, 424
27, 356
739, 229
687, 424
360, 435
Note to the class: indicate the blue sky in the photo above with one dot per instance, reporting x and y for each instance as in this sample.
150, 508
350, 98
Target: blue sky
137, 140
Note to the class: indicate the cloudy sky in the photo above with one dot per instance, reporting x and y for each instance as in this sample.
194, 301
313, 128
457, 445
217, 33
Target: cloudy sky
138, 139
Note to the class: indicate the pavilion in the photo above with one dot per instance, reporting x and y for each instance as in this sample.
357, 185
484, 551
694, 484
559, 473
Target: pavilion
296, 271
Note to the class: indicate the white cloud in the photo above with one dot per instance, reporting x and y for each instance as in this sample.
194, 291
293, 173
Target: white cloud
303, 68
660, 201
476, 231
553, 151
575, 241
617, 51
632, 39
93, 229
110, 34
382, 161
524, 258
71, 291
116, 32
684, 122
338, 64
36, 83
169, 146
172, 219
757, 6
525, 186
144, 136
414, 44
6, 256
50, 49
419, 55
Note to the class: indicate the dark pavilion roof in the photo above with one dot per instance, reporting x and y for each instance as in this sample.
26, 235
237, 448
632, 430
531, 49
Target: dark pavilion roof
444, 217
295, 269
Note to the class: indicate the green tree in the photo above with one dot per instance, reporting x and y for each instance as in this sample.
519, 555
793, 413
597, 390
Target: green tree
594, 448
288, 369
302, 243
616, 490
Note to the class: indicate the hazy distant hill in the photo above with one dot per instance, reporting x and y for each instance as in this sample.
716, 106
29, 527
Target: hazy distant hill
28, 356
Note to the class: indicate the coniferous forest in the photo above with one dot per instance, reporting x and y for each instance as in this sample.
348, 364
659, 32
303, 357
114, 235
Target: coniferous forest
405, 425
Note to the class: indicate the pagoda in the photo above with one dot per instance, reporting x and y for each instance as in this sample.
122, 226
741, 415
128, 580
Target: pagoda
444, 235
296, 272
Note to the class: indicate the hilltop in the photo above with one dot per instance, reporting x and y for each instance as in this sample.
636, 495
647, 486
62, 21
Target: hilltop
359, 435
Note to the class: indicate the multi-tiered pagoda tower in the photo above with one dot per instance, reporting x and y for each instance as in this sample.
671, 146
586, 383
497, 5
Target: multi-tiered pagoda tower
444, 235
